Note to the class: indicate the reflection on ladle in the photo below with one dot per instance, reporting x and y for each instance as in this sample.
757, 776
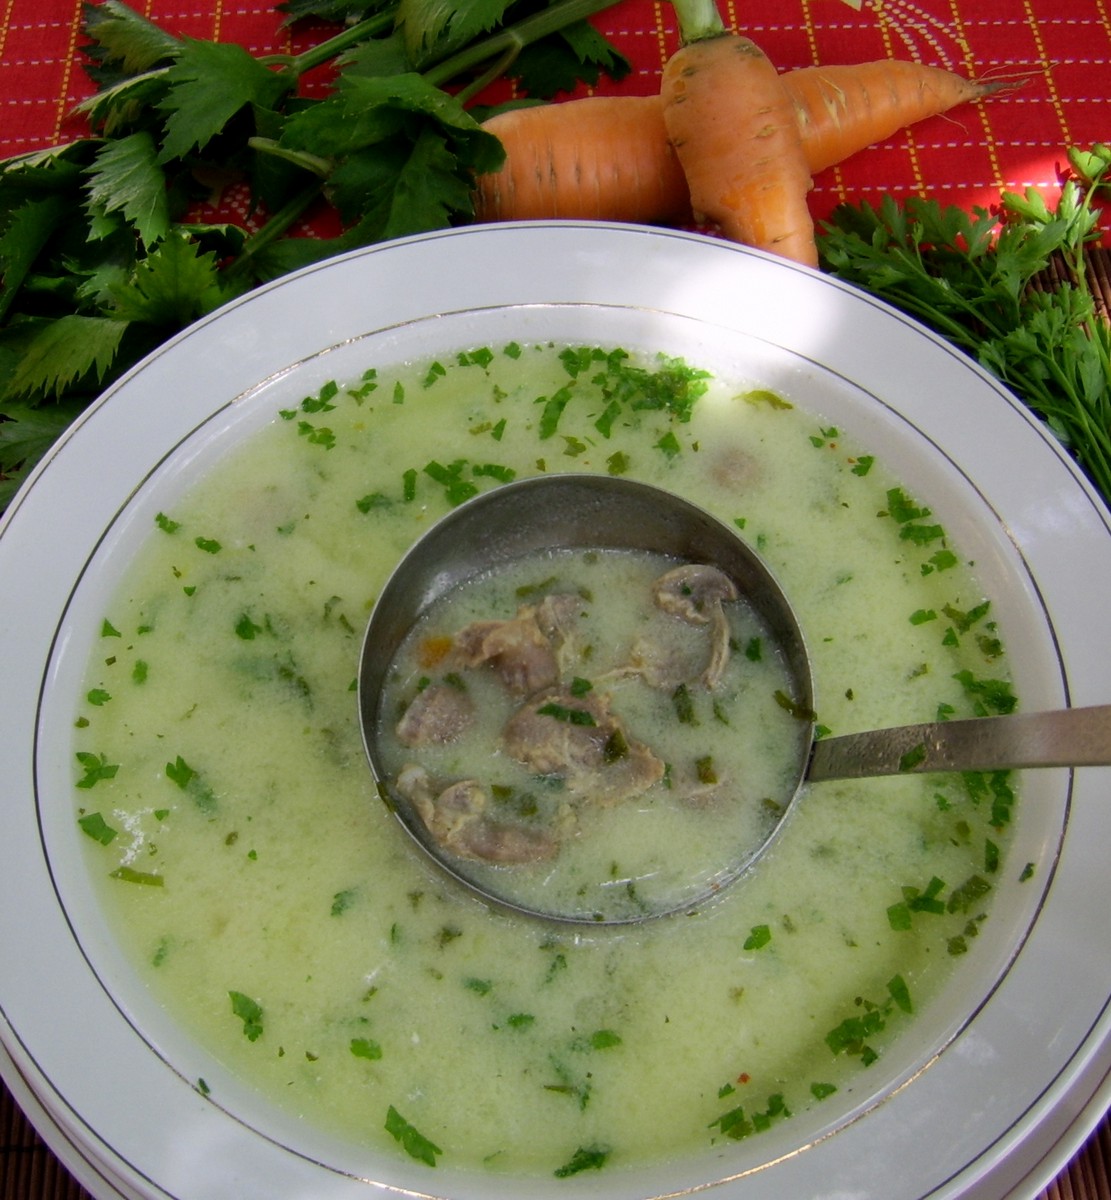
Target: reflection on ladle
594, 513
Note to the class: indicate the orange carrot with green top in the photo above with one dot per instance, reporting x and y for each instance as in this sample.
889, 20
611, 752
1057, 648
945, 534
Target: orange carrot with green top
609, 158
734, 129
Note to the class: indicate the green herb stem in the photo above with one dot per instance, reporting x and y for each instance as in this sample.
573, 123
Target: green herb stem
504, 46
297, 65
280, 223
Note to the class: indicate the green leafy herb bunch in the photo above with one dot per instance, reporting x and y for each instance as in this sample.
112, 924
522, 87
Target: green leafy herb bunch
105, 249
1011, 287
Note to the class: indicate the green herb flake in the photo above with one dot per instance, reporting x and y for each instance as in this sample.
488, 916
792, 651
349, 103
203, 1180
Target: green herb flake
98, 697
342, 901
130, 875
589, 1158
98, 828
913, 758
759, 936
971, 892
496, 471
180, 772
604, 1039
107, 629
322, 402
165, 524
762, 396
734, 1124
373, 501
412, 1141
900, 993
942, 560
246, 629
993, 696
317, 435
208, 545
552, 411
249, 1012
797, 710
899, 917
482, 357
365, 1048
573, 716
683, 704
97, 768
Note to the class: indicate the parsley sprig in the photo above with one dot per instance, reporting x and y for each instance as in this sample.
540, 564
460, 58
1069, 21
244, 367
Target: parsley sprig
1010, 287
105, 251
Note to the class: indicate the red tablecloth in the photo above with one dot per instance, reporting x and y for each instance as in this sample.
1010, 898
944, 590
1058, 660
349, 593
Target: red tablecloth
1060, 49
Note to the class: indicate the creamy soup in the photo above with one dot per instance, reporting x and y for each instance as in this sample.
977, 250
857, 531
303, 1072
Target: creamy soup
279, 911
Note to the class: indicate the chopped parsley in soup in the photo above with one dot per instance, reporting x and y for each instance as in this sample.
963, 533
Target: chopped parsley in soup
277, 909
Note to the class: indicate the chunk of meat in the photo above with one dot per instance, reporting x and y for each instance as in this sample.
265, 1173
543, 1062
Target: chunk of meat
436, 717
522, 649
696, 593
557, 616
693, 592
580, 740
457, 819
661, 663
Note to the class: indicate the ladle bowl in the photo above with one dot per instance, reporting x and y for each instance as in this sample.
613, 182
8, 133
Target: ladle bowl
597, 512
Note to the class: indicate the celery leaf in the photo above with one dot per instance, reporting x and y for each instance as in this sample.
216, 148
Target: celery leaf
125, 177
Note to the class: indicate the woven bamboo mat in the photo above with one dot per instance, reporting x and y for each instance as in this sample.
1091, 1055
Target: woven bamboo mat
28, 1171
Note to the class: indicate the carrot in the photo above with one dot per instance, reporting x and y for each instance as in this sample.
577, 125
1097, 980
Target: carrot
844, 108
598, 158
609, 158
734, 129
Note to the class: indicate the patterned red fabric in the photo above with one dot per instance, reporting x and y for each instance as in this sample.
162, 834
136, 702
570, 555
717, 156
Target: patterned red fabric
1060, 48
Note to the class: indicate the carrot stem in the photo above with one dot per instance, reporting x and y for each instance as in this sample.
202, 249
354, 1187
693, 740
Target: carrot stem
698, 19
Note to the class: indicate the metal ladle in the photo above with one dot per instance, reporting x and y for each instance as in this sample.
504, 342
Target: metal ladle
583, 511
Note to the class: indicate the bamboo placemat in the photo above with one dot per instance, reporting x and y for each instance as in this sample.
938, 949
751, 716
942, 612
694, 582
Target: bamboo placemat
28, 1170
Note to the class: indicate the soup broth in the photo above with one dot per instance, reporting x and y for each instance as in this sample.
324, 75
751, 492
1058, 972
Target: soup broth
278, 911
599, 734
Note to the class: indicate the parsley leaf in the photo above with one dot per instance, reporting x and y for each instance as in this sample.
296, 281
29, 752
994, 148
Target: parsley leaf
249, 1012
979, 280
415, 1144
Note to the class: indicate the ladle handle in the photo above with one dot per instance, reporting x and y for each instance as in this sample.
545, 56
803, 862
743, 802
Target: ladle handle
1070, 737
